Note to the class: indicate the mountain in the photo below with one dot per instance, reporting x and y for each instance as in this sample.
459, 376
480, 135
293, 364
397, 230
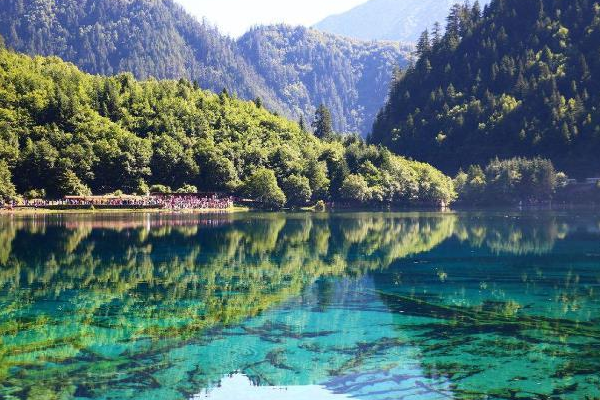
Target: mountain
399, 20
157, 38
308, 67
64, 132
521, 79
148, 38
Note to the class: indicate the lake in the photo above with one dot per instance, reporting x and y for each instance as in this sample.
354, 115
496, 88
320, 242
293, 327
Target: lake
373, 306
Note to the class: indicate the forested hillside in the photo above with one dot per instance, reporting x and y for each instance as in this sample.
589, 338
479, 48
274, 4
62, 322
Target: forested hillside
309, 67
144, 37
293, 74
67, 132
520, 79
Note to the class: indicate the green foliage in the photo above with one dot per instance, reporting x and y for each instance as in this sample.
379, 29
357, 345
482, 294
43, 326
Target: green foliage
160, 189
316, 172
187, 189
297, 190
304, 68
70, 185
142, 188
262, 187
355, 188
322, 122
471, 186
218, 171
7, 188
518, 80
509, 182
302, 124
35, 194
171, 163
67, 132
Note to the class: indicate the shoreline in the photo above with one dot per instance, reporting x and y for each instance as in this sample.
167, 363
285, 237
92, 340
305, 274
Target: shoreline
459, 208
48, 211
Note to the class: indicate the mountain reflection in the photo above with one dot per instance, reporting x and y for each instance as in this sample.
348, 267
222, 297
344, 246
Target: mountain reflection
108, 295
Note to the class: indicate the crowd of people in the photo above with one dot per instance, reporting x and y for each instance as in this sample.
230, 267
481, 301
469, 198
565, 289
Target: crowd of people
192, 202
170, 202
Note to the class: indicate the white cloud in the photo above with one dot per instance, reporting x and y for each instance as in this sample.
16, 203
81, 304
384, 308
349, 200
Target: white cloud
234, 17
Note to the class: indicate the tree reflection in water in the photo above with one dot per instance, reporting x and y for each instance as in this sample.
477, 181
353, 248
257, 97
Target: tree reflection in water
93, 303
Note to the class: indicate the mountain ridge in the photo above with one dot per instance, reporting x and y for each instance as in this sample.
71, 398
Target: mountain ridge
160, 39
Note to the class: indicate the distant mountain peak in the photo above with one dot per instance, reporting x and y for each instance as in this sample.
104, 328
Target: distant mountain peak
398, 20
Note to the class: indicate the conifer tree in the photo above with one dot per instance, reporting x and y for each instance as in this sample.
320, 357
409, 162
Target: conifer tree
322, 123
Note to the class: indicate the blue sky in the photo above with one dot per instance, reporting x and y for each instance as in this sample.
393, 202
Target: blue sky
234, 17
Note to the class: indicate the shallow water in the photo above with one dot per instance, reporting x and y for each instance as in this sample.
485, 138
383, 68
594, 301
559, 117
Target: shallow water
368, 306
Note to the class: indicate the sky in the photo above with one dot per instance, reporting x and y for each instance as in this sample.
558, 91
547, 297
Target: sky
234, 17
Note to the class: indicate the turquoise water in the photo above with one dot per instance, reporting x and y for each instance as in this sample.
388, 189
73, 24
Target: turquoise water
369, 306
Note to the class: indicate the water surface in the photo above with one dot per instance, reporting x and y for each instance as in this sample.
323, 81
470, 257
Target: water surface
366, 306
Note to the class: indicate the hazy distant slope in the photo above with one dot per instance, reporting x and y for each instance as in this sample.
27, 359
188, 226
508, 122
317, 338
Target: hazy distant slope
401, 20
157, 38
308, 67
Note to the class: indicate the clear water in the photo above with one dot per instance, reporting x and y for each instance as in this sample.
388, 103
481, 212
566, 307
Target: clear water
366, 306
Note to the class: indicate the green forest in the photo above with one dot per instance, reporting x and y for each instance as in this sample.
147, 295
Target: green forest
65, 132
497, 99
519, 78
292, 69
510, 182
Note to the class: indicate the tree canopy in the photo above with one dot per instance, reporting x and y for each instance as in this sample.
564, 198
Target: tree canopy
509, 182
64, 132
